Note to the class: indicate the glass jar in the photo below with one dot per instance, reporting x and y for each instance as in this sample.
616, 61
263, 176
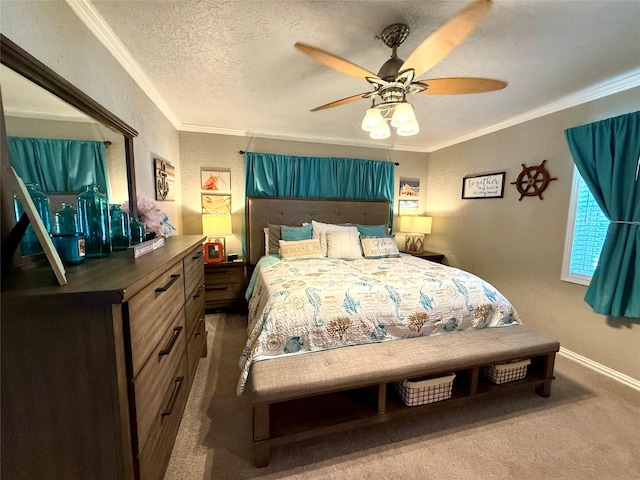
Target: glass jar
93, 212
120, 228
65, 220
70, 247
138, 231
29, 244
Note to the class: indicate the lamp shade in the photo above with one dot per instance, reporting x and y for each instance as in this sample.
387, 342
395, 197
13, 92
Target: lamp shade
216, 225
372, 120
406, 223
422, 224
403, 114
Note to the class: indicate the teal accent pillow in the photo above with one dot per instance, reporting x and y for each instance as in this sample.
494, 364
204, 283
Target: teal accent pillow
295, 233
372, 230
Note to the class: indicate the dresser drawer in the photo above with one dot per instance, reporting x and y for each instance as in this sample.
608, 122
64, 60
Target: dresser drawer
193, 271
195, 347
227, 274
154, 456
194, 309
156, 379
151, 311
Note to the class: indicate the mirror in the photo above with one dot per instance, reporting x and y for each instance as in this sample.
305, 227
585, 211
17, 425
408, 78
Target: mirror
37, 102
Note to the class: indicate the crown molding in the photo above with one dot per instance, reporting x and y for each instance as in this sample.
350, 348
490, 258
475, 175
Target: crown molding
95, 23
614, 85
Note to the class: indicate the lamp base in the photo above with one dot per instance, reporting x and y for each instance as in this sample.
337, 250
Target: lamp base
413, 242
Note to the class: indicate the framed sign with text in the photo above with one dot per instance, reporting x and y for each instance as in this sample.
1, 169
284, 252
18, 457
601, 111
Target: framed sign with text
483, 186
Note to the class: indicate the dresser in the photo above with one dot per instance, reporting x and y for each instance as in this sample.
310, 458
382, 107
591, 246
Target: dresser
225, 284
96, 373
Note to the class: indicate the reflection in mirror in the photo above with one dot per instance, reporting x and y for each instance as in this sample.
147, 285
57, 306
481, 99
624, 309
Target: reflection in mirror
39, 104
30, 112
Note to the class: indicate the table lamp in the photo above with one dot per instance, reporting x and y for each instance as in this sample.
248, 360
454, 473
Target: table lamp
415, 227
216, 227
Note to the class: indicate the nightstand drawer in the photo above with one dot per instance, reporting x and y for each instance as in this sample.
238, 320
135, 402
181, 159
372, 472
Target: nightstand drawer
221, 275
229, 291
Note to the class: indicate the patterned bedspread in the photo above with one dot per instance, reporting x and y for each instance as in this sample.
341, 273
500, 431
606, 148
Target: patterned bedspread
308, 305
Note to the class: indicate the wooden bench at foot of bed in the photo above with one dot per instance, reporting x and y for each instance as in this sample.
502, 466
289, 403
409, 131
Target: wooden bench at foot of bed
304, 396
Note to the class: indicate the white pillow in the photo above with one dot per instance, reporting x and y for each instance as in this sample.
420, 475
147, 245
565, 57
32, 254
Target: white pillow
300, 249
319, 230
379, 247
345, 245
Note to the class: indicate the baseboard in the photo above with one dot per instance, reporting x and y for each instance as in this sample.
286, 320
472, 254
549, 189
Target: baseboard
609, 372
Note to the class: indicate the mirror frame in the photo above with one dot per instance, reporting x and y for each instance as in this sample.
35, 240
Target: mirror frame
23, 63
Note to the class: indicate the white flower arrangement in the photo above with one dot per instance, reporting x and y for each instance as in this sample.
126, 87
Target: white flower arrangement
154, 219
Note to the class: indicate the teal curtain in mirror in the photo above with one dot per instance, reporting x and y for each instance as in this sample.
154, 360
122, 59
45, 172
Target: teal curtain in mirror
59, 165
317, 177
607, 155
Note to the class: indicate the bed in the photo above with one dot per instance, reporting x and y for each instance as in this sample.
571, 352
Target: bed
342, 329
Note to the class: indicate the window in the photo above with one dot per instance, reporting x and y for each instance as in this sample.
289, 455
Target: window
586, 231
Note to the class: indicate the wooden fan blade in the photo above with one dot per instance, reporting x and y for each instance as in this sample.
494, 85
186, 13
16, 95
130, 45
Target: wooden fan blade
441, 42
335, 62
461, 85
342, 101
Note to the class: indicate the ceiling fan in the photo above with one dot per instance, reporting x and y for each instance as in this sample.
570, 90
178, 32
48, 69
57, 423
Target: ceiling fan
397, 78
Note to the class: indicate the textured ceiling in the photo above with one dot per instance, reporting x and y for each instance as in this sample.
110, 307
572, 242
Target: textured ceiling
232, 65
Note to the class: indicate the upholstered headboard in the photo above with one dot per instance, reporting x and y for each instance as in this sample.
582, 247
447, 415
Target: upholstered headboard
261, 211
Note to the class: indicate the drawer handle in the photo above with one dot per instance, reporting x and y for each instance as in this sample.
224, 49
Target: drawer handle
200, 292
198, 255
200, 325
174, 396
174, 279
174, 336
219, 288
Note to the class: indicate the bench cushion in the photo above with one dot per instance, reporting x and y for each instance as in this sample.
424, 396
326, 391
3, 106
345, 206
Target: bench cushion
296, 376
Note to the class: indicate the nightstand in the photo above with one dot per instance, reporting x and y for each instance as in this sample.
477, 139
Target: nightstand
427, 255
225, 283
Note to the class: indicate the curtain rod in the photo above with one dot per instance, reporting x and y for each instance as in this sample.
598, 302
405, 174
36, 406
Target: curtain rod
242, 152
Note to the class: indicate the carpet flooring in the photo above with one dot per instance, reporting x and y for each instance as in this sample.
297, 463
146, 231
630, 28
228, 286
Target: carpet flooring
588, 429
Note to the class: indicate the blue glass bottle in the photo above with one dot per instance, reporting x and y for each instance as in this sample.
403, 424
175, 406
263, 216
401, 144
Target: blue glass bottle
120, 228
65, 220
138, 231
67, 236
93, 212
30, 245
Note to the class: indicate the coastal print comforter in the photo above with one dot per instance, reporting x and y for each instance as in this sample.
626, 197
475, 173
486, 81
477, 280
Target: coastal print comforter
303, 306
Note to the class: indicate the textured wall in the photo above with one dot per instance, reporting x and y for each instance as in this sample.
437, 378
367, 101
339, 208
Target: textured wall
518, 245
199, 150
53, 34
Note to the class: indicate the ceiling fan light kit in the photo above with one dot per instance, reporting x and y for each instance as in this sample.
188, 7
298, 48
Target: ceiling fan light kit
395, 79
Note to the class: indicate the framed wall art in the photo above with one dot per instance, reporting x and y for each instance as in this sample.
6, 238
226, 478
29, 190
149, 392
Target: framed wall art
215, 180
216, 204
409, 188
165, 180
483, 186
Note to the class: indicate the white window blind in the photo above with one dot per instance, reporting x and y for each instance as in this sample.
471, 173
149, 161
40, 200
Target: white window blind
586, 231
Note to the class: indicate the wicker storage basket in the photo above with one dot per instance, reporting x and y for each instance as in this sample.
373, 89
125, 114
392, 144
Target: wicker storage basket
420, 392
506, 372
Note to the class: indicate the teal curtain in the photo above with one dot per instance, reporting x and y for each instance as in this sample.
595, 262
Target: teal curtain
607, 155
317, 177
59, 165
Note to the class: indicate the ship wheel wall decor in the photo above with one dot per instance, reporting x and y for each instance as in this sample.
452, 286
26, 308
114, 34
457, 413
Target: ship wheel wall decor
532, 181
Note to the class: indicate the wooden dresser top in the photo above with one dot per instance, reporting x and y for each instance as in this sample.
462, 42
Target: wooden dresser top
110, 280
